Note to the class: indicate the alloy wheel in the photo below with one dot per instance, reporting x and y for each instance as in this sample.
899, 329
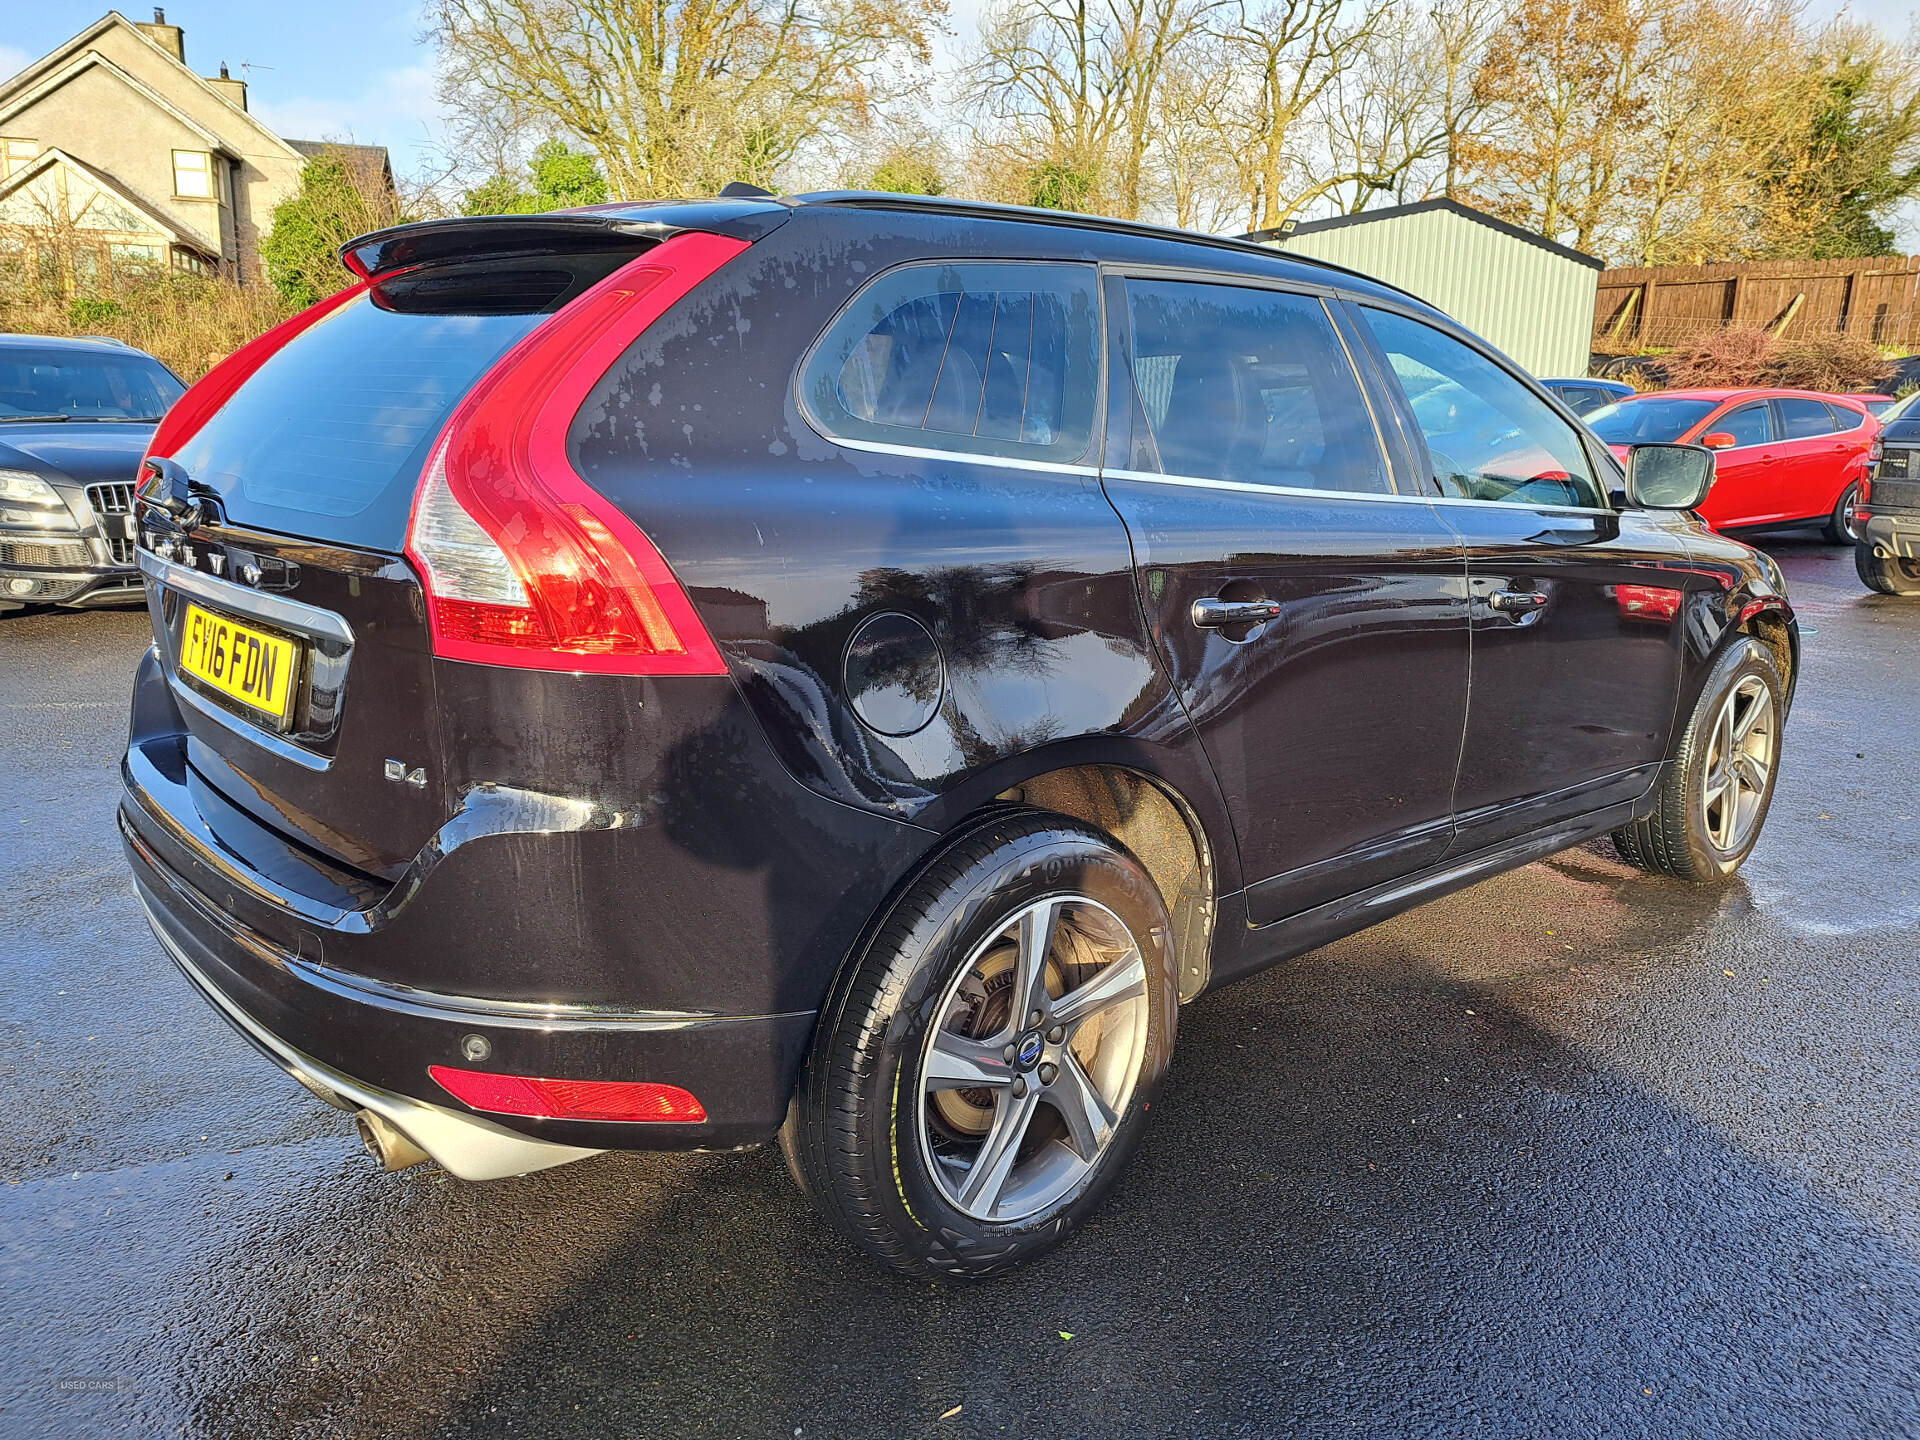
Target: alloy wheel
1740, 751
1034, 1054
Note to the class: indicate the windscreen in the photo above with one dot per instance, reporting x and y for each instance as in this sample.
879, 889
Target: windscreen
1648, 419
327, 439
63, 383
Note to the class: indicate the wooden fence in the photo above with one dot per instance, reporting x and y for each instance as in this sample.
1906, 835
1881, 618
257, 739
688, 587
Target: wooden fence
1877, 298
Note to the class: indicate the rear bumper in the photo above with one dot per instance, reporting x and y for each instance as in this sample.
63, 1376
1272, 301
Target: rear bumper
469, 1147
1893, 536
371, 1041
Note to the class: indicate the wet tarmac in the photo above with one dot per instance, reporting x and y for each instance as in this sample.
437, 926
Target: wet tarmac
1574, 1152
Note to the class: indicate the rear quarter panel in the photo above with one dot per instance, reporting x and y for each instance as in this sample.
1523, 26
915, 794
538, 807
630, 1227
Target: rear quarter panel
787, 542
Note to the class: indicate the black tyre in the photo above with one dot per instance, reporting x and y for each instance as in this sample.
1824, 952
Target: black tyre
984, 1073
1842, 528
1889, 576
1713, 800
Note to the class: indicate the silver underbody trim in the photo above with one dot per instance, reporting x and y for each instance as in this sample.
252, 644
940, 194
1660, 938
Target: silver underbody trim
463, 1145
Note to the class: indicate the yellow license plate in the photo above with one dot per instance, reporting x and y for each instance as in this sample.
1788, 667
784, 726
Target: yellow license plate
254, 668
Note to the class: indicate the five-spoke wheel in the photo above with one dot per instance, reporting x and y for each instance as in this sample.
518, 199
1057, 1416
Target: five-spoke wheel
981, 1076
1705, 811
1739, 764
1039, 1046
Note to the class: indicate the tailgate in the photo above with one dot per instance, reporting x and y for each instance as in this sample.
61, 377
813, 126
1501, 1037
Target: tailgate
231, 606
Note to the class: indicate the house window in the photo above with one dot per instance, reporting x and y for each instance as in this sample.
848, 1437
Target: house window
190, 262
15, 155
193, 174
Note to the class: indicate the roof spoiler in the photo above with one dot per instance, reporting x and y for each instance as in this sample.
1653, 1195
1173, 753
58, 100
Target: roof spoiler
497, 236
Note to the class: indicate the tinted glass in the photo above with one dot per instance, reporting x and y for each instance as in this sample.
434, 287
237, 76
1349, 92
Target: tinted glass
83, 384
1252, 386
1581, 399
1653, 418
1845, 419
1749, 425
1488, 436
1805, 418
993, 359
328, 438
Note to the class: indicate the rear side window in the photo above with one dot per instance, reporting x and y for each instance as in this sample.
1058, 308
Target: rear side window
1251, 386
1805, 418
1845, 419
328, 438
987, 359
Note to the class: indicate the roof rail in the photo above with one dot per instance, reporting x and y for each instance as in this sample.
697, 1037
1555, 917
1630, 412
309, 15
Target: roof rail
1033, 214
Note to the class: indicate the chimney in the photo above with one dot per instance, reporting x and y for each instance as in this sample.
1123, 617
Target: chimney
232, 90
170, 38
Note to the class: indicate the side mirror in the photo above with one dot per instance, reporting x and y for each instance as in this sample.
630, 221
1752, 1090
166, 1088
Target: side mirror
1668, 477
1718, 440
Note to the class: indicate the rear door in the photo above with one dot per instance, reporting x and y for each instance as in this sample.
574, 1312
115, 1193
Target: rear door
1312, 617
1576, 645
309, 473
1813, 457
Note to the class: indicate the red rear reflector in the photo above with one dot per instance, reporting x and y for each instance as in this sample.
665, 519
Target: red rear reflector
570, 1099
526, 564
212, 390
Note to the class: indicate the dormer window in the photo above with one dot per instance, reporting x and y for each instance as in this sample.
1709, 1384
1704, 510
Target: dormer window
193, 174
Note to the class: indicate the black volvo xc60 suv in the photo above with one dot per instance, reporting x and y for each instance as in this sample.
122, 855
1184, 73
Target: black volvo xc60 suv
848, 668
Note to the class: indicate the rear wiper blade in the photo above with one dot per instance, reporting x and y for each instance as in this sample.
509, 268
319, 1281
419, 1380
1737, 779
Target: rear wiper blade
34, 419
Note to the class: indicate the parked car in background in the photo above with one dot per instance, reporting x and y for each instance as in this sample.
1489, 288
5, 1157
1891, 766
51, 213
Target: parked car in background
75, 417
1877, 405
844, 669
1585, 396
1783, 457
1888, 552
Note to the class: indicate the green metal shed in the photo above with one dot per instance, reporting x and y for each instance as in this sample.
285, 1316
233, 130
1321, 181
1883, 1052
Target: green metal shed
1529, 295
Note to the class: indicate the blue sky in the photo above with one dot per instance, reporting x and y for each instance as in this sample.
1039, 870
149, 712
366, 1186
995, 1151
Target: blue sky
356, 69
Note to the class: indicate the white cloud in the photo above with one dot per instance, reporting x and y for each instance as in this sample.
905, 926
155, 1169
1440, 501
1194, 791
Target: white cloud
397, 109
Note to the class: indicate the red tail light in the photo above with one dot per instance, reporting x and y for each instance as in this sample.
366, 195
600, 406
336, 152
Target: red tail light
212, 390
525, 564
538, 1099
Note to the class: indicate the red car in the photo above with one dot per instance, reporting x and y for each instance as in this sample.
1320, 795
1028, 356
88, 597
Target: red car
1784, 456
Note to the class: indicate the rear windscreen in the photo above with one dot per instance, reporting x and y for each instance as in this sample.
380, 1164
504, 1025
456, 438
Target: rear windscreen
327, 439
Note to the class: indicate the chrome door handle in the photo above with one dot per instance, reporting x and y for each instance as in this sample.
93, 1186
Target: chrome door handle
1213, 613
1517, 602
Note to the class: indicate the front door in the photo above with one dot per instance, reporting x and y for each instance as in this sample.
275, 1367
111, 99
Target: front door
1575, 608
1313, 618
1749, 479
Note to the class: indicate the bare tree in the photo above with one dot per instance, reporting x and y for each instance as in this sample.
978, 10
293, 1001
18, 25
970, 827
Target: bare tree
675, 96
1286, 57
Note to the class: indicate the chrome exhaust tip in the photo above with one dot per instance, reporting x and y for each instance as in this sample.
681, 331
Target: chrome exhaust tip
386, 1142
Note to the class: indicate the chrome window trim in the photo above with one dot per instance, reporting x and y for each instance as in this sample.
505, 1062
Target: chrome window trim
969, 457
1305, 492
1196, 482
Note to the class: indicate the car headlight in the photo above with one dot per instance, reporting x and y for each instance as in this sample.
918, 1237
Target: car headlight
19, 485
28, 500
